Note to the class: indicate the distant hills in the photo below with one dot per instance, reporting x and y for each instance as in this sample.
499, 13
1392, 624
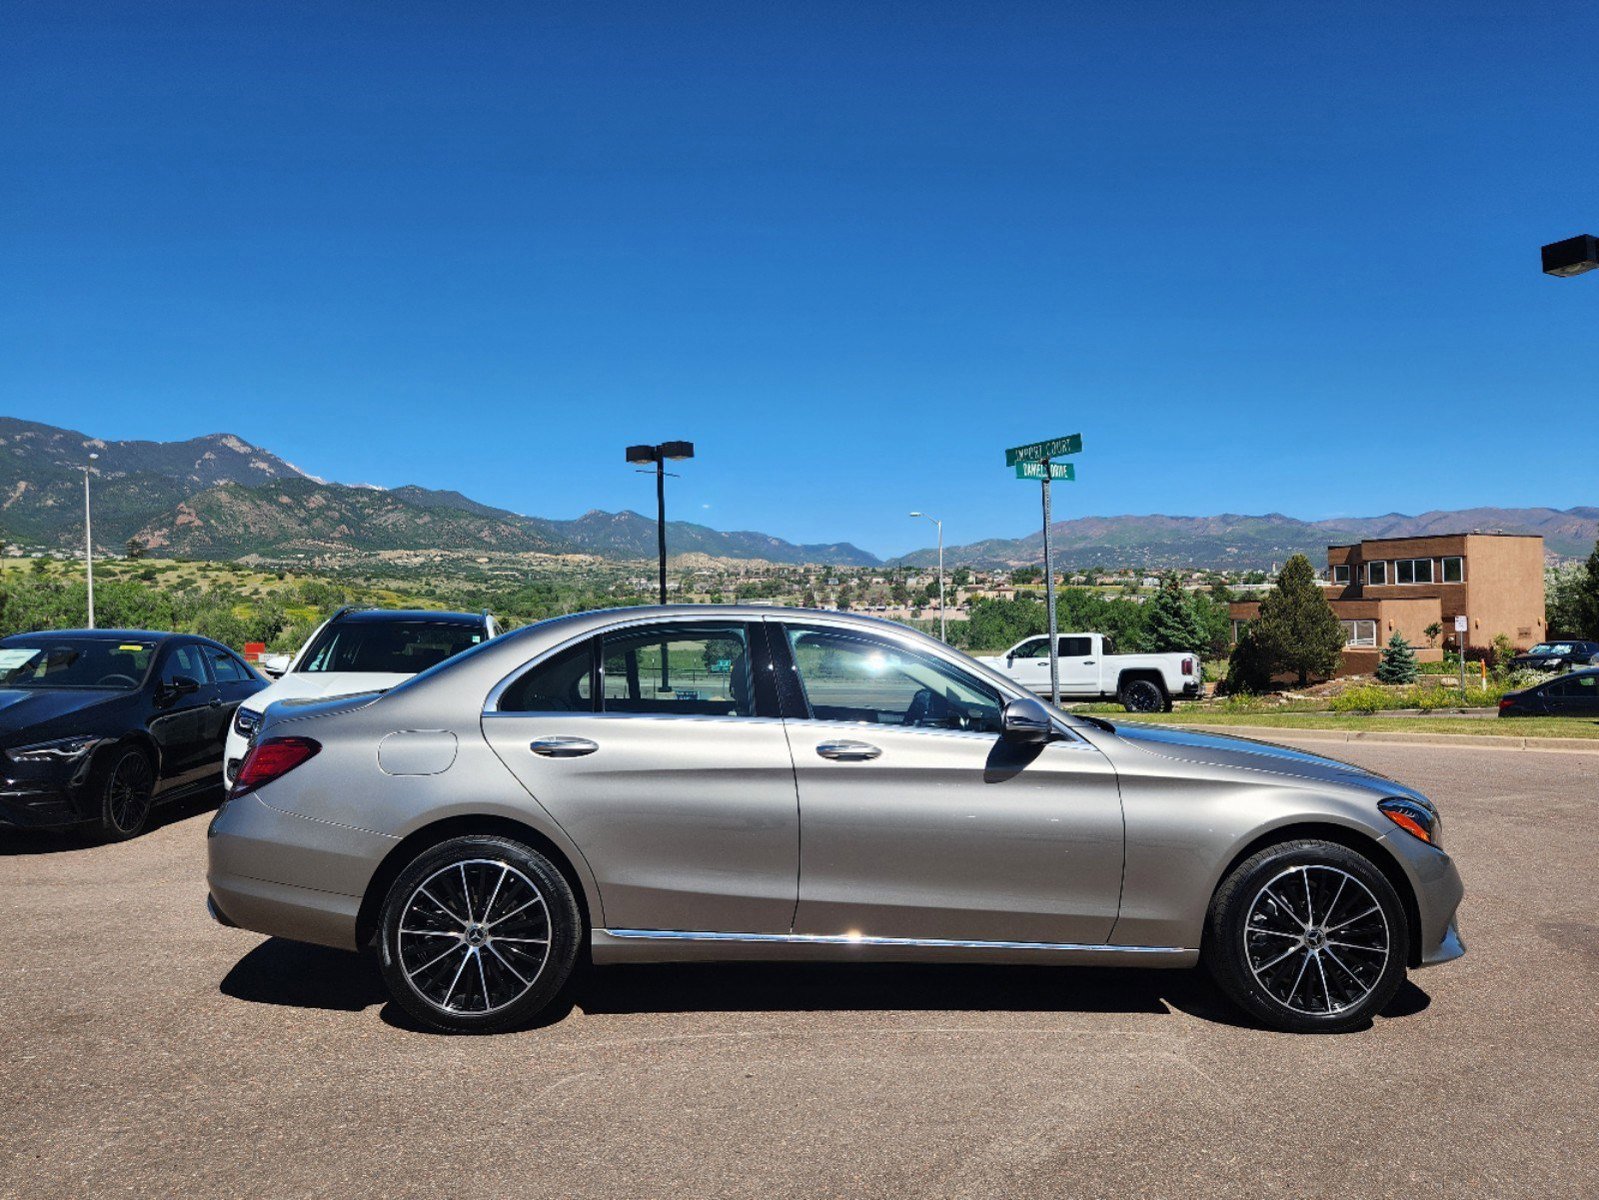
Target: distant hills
220, 497
1232, 541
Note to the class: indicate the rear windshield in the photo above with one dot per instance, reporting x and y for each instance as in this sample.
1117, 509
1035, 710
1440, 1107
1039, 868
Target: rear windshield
75, 663
388, 647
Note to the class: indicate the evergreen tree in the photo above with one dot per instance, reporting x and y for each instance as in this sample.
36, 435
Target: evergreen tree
1586, 597
1297, 630
1248, 669
1398, 663
1170, 621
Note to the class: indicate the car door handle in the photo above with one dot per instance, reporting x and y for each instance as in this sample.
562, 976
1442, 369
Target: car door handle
216, 704
848, 751
563, 747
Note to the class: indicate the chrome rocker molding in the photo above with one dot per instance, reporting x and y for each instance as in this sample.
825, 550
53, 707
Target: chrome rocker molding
870, 942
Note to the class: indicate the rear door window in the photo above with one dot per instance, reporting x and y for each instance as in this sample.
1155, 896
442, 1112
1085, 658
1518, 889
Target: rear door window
562, 683
676, 669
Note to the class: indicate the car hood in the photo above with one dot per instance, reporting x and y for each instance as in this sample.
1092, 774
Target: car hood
23, 709
1221, 750
315, 685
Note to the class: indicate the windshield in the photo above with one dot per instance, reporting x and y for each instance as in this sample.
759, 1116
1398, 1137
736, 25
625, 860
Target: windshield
1552, 648
388, 647
70, 662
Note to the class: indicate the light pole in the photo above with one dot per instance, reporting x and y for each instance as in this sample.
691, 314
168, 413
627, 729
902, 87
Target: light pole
88, 537
943, 630
658, 455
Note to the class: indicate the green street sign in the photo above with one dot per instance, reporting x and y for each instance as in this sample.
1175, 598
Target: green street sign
1072, 443
1057, 471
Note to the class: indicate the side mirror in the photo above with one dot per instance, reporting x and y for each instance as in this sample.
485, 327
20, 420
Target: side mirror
1026, 722
183, 685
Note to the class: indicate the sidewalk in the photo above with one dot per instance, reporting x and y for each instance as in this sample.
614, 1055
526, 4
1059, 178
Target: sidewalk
1276, 733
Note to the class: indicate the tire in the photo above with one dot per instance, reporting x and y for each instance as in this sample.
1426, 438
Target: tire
441, 957
1298, 895
1144, 696
127, 790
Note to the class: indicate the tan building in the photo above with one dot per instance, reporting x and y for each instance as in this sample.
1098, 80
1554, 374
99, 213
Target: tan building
1384, 586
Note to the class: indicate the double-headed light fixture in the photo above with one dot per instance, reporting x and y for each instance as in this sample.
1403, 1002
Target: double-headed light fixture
658, 455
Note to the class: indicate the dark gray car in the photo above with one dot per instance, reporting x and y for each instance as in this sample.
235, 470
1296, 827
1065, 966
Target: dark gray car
723, 783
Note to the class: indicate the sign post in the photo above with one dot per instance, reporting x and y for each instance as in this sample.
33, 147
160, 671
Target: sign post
1461, 625
1033, 462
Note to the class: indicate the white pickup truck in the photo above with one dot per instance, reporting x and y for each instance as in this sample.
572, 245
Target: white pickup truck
1090, 669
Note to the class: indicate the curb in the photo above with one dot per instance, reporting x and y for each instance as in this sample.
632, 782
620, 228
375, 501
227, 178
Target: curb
1473, 740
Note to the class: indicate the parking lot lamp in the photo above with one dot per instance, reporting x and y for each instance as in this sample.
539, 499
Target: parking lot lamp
88, 536
658, 456
943, 629
1574, 256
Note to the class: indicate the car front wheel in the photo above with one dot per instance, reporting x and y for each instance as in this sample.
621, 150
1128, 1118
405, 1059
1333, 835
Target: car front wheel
478, 935
125, 795
1308, 936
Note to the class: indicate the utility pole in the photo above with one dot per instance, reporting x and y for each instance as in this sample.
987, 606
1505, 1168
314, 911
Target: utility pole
943, 628
657, 456
88, 538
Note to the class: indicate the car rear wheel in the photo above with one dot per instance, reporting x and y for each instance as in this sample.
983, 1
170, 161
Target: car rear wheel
1309, 937
478, 935
1144, 696
125, 795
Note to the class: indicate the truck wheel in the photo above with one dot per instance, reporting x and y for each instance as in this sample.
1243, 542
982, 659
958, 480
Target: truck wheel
1144, 696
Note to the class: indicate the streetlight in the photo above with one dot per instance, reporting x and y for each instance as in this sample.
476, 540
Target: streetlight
943, 631
88, 536
658, 455
1572, 256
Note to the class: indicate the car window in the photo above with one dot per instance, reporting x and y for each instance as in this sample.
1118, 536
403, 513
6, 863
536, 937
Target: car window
402, 647
185, 659
1037, 648
1076, 647
677, 670
225, 668
853, 677
561, 683
1576, 687
46, 661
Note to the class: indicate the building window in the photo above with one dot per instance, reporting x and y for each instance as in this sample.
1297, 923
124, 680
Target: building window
1359, 633
1454, 570
1376, 572
1239, 626
1340, 573
1413, 570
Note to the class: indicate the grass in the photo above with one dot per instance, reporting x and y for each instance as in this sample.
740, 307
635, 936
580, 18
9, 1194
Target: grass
1561, 727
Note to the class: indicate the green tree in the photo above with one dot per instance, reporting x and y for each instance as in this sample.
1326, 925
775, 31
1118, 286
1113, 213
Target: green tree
1585, 599
1432, 633
1170, 622
961, 577
135, 549
1398, 663
1297, 630
1025, 575
1249, 669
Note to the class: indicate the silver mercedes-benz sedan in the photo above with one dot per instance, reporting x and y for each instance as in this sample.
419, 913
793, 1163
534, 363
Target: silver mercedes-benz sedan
722, 783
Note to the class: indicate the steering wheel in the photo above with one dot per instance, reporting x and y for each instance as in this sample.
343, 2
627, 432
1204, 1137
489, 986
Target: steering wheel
106, 679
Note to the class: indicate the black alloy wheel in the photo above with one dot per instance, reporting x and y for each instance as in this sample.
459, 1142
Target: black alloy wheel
126, 795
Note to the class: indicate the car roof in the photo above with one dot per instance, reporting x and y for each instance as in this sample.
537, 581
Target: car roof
372, 616
106, 635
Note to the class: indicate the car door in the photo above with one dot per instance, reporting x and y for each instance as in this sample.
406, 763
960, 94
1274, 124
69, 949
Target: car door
180, 720
1574, 696
659, 749
1029, 665
235, 682
918, 821
1079, 666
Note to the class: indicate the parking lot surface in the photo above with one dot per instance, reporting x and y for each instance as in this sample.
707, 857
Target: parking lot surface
146, 1051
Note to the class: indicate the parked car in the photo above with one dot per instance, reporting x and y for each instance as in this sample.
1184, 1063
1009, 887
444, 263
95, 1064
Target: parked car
1565, 654
742, 782
1090, 669
97, 726
1572, 695
361, 650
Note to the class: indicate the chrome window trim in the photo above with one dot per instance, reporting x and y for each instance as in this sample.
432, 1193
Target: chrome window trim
852, 939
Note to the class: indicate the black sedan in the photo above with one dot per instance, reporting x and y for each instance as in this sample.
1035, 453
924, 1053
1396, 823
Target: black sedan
1564, 654
1573, 695
97, 726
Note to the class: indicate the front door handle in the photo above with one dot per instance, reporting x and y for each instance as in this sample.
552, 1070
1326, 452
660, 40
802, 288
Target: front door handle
563, 747
848, 751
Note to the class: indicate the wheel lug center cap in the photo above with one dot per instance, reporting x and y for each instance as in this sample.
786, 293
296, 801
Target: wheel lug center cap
1315, 938
475, 935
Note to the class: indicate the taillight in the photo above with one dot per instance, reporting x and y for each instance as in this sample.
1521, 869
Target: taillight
1188, 666
272, 759
1505, 702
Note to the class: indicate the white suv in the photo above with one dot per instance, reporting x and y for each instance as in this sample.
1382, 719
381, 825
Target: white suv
360, 650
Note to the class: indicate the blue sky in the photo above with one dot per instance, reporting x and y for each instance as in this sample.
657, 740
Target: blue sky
1263, 256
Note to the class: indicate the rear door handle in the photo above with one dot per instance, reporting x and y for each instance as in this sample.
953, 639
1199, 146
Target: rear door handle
848, 751
563, 747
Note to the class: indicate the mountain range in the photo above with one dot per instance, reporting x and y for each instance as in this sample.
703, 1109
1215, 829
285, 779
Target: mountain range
220, 497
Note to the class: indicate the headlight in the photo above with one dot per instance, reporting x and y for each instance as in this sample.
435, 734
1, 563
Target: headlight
1416, 817
67, 749
245, 722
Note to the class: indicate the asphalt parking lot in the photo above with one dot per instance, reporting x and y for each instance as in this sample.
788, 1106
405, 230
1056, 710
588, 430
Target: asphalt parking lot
146, 1051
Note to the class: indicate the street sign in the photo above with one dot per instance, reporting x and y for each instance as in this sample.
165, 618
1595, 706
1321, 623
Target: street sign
1460, 623
1072, 443
1056, 471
